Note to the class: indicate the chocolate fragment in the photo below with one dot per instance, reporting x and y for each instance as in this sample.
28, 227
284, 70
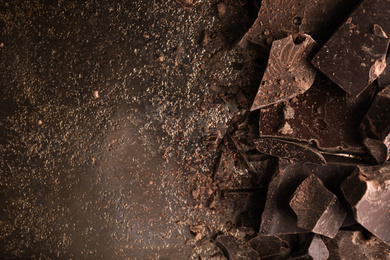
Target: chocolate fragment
325, 114
233, 250
368, 192
278, 217
349, 245
288, 73
355, 55
384, 77
289, 150
278, 19
376, 127
270, 247
318, 210
313, 248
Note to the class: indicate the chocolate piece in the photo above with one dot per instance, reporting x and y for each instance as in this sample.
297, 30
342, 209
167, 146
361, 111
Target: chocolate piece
376, 126
355, 55
312, 248
278, 19
278, 217
318, 210
289, 72
349, 245
289, 150
368, 192
270, 247
234, 250
384, 77
324, 113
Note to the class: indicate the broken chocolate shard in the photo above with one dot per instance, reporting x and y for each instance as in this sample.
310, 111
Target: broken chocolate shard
355, 55
288, 73
320, 114
384, 78
278, 217
368, 192
354, 245
289, 150
318, 210
270, 247
313, 248
376, 127
234, 250
278, 19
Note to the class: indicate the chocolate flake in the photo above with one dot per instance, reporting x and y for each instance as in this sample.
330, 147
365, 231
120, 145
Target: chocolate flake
289, 72
318, 210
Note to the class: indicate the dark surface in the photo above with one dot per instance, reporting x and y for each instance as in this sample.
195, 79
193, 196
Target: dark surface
376, 127
325, 114
355, 54
367, 191
384, 78
317, 209
103, 108
278, 217
271, 247
313, 248
234, 251
288, 73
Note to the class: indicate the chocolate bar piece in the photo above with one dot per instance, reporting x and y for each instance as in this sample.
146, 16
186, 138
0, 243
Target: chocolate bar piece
318, 210
313, 248
368, 192
234, 250
278, 19
289, 150
354, 245
384, 77
288, 73
278, 217
376, 127
270, 247
325, 114
356, 54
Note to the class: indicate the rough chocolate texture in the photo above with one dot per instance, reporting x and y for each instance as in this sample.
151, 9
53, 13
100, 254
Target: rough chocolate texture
355, 245
280, 18
376, 126
270, 247
355, 55
289, 150
234, 250
278, 217
317, 209
289, 71
368, 192
324, 113
384, 77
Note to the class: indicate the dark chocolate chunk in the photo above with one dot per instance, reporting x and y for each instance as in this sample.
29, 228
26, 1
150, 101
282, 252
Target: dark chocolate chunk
355, 55
278, 217
354, 245
278, 19
384, 77
313, 248
234, 250
289, 150
289, 72
318, 210
325, 114
376, 127
270, 247
368, 192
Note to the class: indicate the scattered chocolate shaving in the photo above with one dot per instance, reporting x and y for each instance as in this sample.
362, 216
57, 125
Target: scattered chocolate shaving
355, 56
378, 31
318, 210
289, 150
289, 72
188, 4
368, 192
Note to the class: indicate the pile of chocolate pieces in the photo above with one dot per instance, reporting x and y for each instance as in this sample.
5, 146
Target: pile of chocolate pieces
324, 103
